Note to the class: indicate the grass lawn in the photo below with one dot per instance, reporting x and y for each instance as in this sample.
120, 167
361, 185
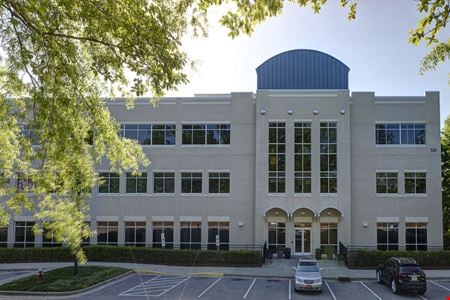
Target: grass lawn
62, 280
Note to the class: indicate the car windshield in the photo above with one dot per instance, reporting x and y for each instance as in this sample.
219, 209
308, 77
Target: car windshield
307, 266
410, 269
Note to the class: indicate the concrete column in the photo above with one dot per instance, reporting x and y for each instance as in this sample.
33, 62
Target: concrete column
11, 233
148, 233
120, 232
290, 236
204, 233
315, 237
94, 228
176, 234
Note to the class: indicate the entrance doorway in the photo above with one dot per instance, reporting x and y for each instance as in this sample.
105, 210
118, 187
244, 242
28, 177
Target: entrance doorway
303, 239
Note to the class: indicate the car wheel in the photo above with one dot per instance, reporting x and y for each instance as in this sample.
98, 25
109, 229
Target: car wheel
421, 292
378, 275
394, 287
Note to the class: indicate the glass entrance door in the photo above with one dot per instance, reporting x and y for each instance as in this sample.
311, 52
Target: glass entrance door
303, 241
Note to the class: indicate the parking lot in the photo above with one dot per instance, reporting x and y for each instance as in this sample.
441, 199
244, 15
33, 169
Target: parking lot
185, 287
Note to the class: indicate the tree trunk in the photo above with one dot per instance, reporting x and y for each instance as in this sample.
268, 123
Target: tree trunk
75, 266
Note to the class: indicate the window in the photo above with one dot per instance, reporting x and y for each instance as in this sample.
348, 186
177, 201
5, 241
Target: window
48, 238
137, 183
3, 236
400, 134
24, 236
328, 235
302, 156
190, 235
135, 234
150, 134
191, 182
163, 235
387, 183
387, 236
277, 157
24, 183
30, 135
277, 236
219, 183
163, 182
416, 236
107, 233
206, 134
218, 235
415, 183
328, 157
109, 183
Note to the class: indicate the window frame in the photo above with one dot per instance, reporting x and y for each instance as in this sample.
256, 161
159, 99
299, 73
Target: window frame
135, 226
192, 178
402, 130
388, 244
27, 228
413, 176
165, 179
199, 133
416, 245
220, 177
136, 178
276, 154
388, 178
328, 153
302, 173
108, 182
222, 229
192, 242
169, 127
166, 227
109, 226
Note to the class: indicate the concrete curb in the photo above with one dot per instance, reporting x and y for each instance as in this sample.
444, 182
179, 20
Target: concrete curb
70, 293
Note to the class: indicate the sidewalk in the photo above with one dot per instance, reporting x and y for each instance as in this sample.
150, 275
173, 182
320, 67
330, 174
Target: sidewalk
278, 268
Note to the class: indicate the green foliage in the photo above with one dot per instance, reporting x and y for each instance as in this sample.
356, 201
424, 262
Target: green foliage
371, 258
136, 255
63, 280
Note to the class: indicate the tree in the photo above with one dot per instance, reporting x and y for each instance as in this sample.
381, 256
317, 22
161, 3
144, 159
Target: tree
61, 57
445, 166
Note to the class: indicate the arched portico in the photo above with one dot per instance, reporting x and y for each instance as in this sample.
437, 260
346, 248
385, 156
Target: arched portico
303, 219
329, 219
276, 219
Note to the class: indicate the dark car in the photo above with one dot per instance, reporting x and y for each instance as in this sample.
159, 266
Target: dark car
402, 274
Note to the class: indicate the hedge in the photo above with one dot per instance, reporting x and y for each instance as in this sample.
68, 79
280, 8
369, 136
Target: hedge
136, 255
372, 258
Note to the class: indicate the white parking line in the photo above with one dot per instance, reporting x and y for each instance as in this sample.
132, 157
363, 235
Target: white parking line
331, 291
174, 286
209, 287
249, 288
445, 288
378, 297
140, 285
422, 297
290, 281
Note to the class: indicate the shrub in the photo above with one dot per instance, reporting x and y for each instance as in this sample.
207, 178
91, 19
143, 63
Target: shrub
371, 258
136, 255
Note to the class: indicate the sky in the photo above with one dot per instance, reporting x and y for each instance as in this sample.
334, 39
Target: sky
374, 46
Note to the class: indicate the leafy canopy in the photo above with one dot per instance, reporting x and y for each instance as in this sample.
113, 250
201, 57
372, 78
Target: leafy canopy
60, 56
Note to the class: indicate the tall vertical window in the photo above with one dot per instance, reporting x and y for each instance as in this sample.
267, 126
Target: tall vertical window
48, 238
387, 183
277, 236
190, 235
24, 235
206, 134
219, 183
277, 157
24, 183
400, 134
387, 236
3, 236
328, 157
302, 156
191, 182
150, 134
107, 233
30, 135
163, 235
328, 235
416, 236
163, 182
415, 183
135, 234
218, 234
109, 183
137, 183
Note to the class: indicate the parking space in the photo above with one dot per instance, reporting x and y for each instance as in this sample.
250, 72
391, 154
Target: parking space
156, 286
214, 288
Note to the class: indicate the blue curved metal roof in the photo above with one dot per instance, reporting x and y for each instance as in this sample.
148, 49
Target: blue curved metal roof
302, 69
